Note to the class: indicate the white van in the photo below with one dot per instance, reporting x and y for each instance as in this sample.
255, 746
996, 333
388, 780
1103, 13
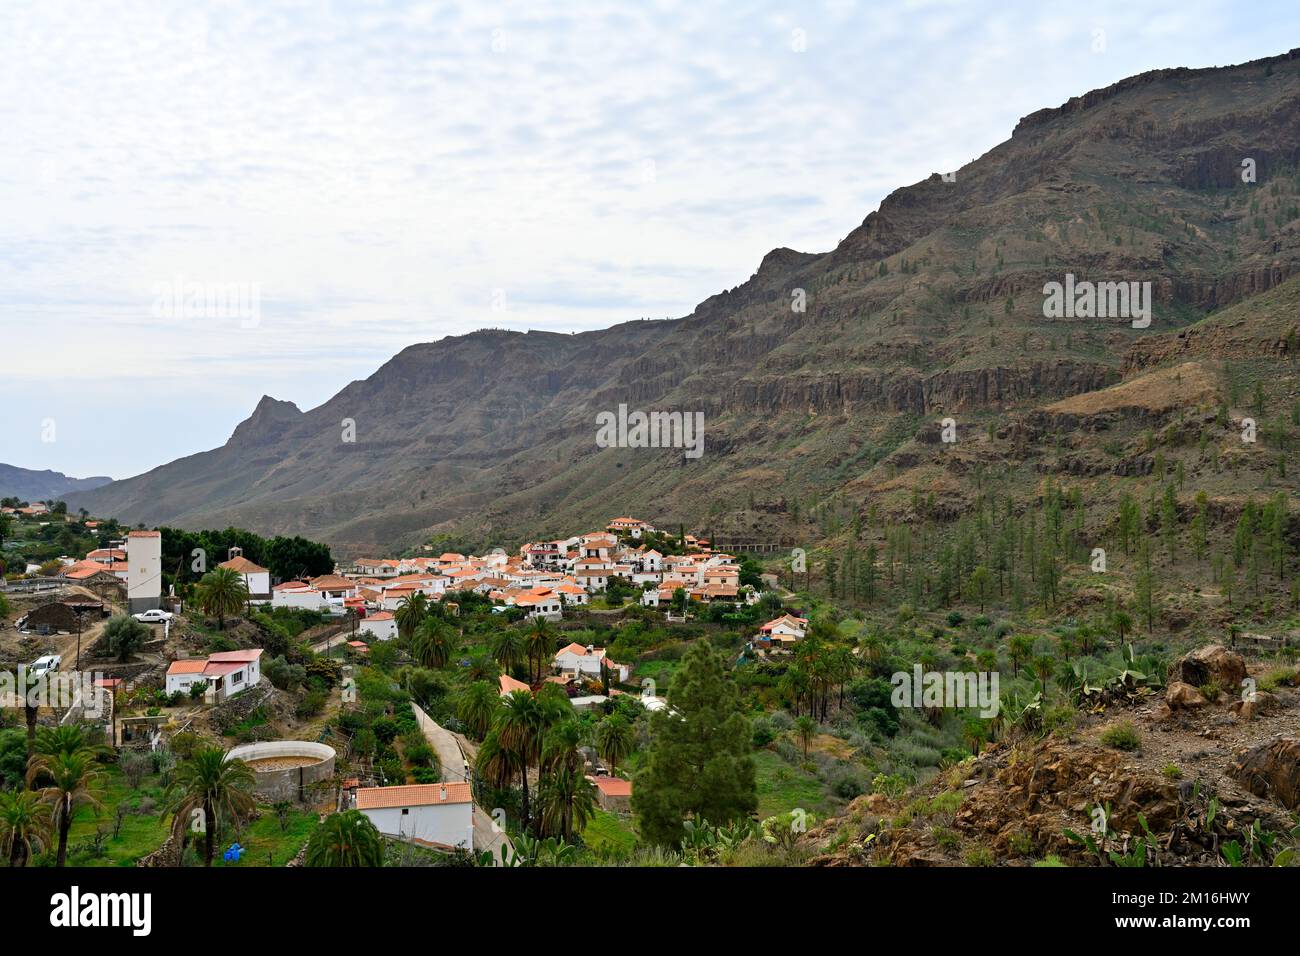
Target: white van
48, 664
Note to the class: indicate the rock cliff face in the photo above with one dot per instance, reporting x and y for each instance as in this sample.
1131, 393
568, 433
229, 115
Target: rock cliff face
818, 366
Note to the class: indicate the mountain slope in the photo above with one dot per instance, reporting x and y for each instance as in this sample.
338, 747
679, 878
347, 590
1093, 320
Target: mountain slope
933, 307
32, 485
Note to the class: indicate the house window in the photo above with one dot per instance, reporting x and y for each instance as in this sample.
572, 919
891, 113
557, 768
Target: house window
406, 811
237, 677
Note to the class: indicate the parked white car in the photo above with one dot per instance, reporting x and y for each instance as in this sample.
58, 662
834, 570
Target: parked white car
48, 664
155, 616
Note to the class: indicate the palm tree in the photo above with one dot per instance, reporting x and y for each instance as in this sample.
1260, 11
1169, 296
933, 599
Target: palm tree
540, 646
508, 648
36, 692
565, 766
566, 800
495, 763
411, 611
210, 784
66, 739
614, 739
72, 785
346, 839
478, 706
806, 729
519, 730
220, 592
435, 643
483, 668
25, 825
1043, 667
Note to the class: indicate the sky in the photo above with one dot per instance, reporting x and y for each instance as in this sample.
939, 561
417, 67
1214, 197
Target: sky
326, 183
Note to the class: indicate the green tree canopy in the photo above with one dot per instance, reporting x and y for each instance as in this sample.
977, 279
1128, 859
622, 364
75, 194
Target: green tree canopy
698, 763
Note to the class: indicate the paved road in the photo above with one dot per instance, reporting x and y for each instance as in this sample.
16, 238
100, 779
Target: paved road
455, 769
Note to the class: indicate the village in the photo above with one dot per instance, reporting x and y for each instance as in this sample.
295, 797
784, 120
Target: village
180, 684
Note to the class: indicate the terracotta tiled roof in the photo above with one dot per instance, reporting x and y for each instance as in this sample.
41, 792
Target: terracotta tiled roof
415, 795
240, 657
188, 667
242, 565
613, 786
333, 582
509, 685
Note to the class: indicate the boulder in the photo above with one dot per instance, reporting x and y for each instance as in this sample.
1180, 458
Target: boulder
1211, 663
1271, 770
1181, 696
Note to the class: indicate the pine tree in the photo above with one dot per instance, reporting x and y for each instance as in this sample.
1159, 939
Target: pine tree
698, 765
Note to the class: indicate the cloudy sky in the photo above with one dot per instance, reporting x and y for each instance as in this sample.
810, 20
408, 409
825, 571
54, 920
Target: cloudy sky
369, 175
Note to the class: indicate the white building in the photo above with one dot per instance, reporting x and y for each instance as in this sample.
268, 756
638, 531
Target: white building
586, 662
144, 570
382, 626
545, 605
441, 814
298, 594
230, 672
786, 629
256, 578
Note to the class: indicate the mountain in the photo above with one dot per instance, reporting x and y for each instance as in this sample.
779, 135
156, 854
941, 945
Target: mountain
932, 308
31, 485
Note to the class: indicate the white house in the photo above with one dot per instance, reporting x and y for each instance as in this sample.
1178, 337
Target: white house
335, 590
786, 629
592, 580
298, 594
439, 814
586, 662
382, 626
650, 598
230, 671
256, 579
573, 594
546, 604
377, 567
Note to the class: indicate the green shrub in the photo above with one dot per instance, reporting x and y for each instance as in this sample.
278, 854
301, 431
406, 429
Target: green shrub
312, 703
1122, 736
978, 856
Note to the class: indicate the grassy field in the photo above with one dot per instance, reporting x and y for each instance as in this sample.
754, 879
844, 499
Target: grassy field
265, 844
783, 787
139, 835
142, 833
609, 835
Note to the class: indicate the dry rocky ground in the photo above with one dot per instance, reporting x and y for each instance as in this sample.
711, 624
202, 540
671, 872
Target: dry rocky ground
1013, 804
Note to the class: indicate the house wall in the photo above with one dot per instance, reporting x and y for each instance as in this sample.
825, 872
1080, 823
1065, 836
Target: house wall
380, 630
451, 824
311, 600
249, 676
144, 573
183, 682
